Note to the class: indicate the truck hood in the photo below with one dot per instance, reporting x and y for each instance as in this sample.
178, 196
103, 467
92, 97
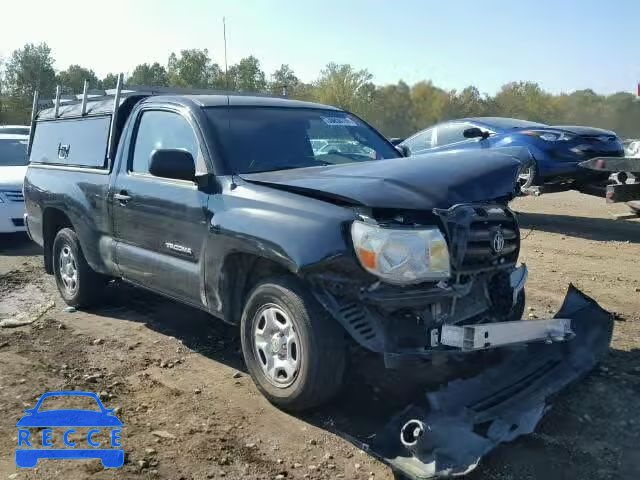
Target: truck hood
423, 182
13, 176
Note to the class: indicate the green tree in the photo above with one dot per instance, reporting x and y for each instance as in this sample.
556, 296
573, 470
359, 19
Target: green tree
345, 87
284, 77
28, 69
193, 68
467, 103
427, 105
152, 75
247, 76
524, 100
391, 112
72, 79
109, 81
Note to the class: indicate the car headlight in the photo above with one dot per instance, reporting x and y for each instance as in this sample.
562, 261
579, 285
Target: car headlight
550, 135
401, 255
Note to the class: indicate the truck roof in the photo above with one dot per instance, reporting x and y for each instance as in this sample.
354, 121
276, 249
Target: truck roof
104, 104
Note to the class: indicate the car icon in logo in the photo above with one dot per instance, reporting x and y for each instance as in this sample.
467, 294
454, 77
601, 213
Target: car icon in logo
32, 447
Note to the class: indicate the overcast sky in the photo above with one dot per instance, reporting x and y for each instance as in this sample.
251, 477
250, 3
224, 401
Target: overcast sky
563, 44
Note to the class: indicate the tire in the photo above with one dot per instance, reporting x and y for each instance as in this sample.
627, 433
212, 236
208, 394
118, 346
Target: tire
533, 177
319, 355
77, 283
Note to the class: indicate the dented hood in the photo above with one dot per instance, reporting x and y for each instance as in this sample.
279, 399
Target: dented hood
435, 180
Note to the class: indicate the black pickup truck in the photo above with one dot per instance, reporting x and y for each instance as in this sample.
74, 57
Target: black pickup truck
220, 202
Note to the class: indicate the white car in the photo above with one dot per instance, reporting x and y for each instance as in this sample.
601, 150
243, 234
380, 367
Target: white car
13, 168
15, 129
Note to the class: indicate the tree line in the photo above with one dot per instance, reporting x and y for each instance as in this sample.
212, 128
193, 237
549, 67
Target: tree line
397, 110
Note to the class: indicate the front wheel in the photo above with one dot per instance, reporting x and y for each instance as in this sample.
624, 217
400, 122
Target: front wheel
528, 176
293, 350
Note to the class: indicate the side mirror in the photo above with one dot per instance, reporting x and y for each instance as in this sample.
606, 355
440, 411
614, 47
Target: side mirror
475, 132
174, 163
395, 141
404, 150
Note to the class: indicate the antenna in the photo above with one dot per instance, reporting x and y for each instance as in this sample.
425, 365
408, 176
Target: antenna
224, 34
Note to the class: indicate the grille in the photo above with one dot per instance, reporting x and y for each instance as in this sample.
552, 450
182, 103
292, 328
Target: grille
13, 195
357, 319
471, 232
18, 222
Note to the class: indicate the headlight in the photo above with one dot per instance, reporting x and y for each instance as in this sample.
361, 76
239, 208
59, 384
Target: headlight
401, 256
550, 135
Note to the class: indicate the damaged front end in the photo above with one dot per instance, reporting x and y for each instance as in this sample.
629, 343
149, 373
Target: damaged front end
478, 307
479, 285
449, 433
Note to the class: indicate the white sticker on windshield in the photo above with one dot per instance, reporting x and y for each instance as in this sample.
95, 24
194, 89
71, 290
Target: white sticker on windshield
339, 121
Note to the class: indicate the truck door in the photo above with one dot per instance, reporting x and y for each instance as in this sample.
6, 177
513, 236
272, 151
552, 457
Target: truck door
159, 224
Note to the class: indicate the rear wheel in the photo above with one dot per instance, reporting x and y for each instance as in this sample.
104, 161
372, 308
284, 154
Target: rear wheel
293, 350
78, 284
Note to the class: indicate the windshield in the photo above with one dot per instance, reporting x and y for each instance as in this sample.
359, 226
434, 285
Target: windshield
259, 139
13, 152
508, 123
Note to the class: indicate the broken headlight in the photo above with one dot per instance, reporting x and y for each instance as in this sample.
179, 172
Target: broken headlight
401, 255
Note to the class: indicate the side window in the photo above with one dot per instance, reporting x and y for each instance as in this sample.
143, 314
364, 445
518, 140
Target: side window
77, 142
451, 133
158, 130
420, 142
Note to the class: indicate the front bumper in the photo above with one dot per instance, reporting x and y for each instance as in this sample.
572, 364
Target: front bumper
407, 322
452, 428
12, 217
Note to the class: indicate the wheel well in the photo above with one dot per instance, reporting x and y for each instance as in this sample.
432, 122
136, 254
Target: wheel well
53, 220
240, 273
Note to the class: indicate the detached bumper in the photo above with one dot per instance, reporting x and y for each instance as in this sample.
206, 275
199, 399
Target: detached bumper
450, 432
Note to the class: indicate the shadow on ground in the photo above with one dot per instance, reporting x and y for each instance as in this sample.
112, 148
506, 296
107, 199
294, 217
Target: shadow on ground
563, 446
601, 229
18, 245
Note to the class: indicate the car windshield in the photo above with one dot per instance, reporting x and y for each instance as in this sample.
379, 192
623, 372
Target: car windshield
259, 139
13, 152
509, 123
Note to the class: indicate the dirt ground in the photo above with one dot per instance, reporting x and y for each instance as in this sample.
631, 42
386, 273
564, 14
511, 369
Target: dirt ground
190, 411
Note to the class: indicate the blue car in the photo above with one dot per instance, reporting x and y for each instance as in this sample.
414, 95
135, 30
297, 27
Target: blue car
556, 150
33, 445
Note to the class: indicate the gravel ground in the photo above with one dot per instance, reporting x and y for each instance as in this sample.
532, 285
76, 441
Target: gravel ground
190, 411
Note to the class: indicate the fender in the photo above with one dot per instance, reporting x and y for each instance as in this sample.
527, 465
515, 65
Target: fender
82, 197
290, 230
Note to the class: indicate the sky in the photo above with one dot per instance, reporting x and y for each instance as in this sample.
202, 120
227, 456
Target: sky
564, 45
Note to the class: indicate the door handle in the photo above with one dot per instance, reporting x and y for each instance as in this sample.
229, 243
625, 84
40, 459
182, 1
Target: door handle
121, 197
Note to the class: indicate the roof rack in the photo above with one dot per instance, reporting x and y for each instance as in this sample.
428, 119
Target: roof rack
116, 94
